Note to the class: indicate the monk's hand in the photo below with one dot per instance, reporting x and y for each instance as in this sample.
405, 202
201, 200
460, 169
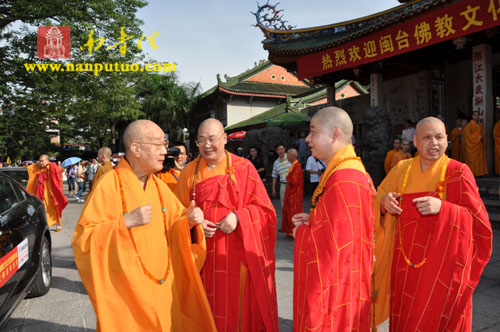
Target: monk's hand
274, 193
209, 228
229, 223
194, 214
138, 217
300, 219
389, 203
428, 205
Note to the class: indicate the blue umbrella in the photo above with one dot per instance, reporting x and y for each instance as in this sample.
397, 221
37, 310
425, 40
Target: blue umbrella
70, 161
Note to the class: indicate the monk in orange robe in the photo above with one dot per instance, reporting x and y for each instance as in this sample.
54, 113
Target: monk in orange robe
171, 176
240, 227
45, 182
434, 242
104, 158
133, 245
294, 193
456, 141
401, 154
496, 137
388, 158
333, 254
475, 146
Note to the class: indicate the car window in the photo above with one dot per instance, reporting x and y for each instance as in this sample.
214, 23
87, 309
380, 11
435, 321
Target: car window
8, 198
21, 195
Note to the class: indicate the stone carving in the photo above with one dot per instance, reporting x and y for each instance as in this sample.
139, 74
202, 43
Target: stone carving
376, 141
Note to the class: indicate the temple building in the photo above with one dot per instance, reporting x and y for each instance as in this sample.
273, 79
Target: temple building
248, 94
422, 58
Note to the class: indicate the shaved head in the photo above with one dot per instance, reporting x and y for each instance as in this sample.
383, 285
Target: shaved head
105, 151
211, 123
43, 160
140, 131
429, 121
334, 117
292, 152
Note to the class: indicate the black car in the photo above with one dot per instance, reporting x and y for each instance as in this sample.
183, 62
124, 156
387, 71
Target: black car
25, 246
20, 174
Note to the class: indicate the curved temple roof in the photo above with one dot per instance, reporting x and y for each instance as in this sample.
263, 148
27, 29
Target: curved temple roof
308, 40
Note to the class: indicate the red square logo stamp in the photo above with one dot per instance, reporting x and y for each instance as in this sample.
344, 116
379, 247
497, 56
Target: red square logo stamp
54, 42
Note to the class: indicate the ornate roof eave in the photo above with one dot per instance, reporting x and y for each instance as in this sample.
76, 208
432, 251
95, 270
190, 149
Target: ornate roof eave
238, 93
285, 45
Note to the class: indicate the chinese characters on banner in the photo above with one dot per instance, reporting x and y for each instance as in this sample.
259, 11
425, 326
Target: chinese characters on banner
479, 80
460, 19
12, 261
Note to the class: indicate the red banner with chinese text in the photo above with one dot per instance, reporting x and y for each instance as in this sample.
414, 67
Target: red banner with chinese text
460, 19
8, 266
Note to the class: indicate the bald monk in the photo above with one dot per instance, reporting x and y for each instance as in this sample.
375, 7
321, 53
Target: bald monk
456, 141
171, 176
294, 193
475, 146
45, 183
104, 158
401, 154
434, 241
240, 227
333, 254
388, 158
496, 138
133, 245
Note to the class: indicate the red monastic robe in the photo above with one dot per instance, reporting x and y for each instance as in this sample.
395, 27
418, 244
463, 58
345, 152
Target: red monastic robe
238, 274
46, 184
456, 244
333, 255
294, 195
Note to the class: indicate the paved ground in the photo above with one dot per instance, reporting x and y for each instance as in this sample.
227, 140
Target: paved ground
66, 307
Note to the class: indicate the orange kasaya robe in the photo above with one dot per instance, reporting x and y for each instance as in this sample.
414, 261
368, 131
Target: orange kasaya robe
496, 137
388, 160
455, 243
333, 255
398, 156
294, 195
170, 177
456, 144
101, 170
475, 148
46, 184
123, 297
239, 270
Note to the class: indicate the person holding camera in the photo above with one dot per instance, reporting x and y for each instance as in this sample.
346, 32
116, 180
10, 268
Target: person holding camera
173, 165
314, 167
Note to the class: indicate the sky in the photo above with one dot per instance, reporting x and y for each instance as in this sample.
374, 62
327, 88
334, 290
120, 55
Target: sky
205, 38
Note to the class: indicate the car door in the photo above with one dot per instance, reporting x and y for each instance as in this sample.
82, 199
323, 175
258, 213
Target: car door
14, 245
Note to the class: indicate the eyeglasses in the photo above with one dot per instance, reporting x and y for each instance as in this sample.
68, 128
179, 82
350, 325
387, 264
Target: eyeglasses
158, 145
211, 140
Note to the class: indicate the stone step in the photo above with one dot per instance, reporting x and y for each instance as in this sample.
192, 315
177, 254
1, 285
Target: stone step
494, 219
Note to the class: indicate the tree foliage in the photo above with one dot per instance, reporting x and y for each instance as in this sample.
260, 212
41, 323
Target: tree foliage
83, 108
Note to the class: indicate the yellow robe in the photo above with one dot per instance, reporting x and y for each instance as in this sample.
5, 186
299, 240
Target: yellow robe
398, 156
388, 160
48, 200
101, 170
456, 144
124, 298
387, 235
496, 137
475, 148
169, 178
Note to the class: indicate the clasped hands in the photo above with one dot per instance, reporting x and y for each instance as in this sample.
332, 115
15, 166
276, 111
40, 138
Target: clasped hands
426, 205
142, 216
